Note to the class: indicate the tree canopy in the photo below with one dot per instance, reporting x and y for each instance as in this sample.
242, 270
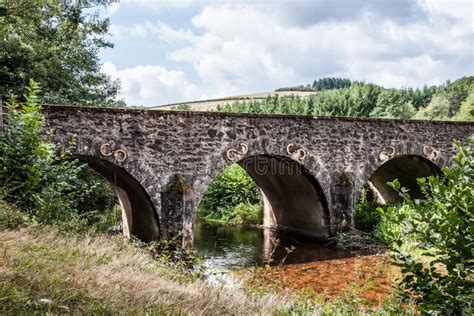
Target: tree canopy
331, 83
449, 101
321, 84
56, 43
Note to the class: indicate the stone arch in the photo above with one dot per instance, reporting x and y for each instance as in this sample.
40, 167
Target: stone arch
405, 168
312, 164
294, 199
139, 215
378, 156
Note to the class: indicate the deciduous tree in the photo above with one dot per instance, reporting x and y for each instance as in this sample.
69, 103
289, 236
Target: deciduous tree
56, 43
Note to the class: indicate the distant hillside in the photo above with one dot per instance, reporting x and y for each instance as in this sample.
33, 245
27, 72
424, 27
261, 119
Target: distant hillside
453, 100
330, 83
298, 91
210, 105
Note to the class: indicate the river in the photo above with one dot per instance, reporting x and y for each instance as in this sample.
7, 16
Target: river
297, 263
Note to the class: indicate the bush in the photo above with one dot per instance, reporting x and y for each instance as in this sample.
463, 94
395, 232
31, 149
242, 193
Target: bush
181, 107
366, 215
441, 226
437, 109
231, 188
39, 178
10, 217
466, 110
388, 227
248, 214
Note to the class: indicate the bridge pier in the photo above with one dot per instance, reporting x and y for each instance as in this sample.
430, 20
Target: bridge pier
177, 207
342, 202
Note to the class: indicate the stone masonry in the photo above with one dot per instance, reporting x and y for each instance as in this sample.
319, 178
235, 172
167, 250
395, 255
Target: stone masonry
161, 162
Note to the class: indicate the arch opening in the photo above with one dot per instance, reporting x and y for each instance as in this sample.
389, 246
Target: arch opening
138, 213
376, 192
294, 216
407, 169
290, 198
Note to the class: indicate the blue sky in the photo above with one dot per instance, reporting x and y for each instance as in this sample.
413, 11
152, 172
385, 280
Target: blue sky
174, 51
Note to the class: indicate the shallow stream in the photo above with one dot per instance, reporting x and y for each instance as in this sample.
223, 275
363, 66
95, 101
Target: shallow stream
297, 263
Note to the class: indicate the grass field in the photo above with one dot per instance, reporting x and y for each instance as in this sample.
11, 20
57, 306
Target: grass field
209, 105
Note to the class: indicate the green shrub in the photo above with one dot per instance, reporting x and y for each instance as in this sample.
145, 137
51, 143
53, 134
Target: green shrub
228, 190
466, 110
248, 214
10, 217
388, 227
36, 176
366, 215
181, 107
441, 226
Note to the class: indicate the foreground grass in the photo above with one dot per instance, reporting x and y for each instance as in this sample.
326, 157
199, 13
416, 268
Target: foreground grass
43, 270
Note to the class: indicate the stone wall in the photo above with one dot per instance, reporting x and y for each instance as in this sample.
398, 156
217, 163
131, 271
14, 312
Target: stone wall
339, 154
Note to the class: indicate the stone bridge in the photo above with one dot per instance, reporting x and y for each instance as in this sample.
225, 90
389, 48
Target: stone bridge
310, 170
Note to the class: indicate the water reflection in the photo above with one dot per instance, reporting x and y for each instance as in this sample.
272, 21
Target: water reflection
244, 246
312, 264
228, 246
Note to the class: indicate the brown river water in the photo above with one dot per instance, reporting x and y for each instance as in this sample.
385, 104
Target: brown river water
241, 256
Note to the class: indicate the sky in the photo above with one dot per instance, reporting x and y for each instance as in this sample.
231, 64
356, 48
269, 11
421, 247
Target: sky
184, 50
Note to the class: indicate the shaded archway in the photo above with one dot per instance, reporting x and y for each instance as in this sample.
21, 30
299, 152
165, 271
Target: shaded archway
138, 213
294, 208
407, 169
292, 199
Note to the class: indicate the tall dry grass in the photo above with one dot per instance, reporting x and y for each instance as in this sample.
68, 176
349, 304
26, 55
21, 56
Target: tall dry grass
82, 274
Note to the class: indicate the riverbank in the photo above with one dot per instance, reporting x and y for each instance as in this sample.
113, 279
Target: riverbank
44, 270
47, 271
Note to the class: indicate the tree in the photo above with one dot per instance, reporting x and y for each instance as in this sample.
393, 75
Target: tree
392, 103
442, 226
42, 180
367, 100
456, 92
466, 111
437, 109
363, 98
447, 100
229, 189
56, 43
331, 83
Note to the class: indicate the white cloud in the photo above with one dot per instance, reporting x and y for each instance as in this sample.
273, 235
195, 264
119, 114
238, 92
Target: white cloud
163, 4
143, 30
112, 9
151, 85
242, 47
108, 10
